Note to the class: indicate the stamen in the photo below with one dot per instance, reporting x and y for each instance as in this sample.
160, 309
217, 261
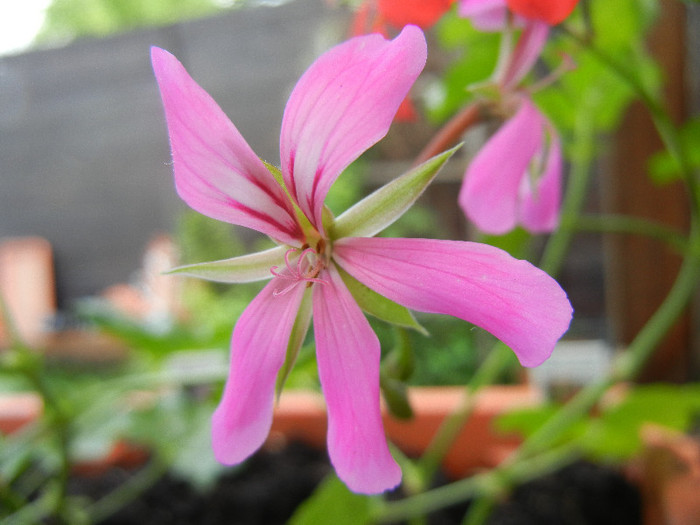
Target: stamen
306, 269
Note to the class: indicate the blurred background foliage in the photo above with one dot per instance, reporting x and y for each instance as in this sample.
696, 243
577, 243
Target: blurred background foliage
69, 19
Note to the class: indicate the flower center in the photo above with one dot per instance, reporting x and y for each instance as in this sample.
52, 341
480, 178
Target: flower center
305, 269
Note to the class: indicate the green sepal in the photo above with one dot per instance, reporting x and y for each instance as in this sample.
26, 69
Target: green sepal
296, 339
396, 397
243, 269
384, 206
399, 362
397, 368
378, 305
310, 233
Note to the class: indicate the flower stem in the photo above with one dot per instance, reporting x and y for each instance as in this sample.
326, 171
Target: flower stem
575, 197
611, 223
127, 491
491, 483
496, 362
451, 133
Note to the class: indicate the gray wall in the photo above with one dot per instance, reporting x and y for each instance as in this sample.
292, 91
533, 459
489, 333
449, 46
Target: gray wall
83, 144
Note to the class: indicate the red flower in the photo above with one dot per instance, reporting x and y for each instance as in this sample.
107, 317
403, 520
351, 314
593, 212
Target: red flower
423, 13
550, 11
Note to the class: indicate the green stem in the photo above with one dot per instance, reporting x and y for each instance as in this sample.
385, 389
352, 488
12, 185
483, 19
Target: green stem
498, 359
635, 226
553, 258
628, 364
575, 198
127, 491
29, 363
491, 483
479, 511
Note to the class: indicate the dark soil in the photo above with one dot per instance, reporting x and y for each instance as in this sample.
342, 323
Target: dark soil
264, 491
580, 494
270, 486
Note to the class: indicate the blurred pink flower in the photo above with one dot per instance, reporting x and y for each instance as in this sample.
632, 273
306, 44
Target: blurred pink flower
492, 15
342, 105
516, 176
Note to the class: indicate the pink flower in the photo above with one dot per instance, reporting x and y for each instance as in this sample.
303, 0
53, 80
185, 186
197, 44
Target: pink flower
492, 15
516, 176
487, 15
342, 105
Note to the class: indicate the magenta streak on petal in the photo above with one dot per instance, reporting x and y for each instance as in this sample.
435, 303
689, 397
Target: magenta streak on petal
201, 194
212, 159
342, 105
491, 188
515, 301
348, 354
242, 420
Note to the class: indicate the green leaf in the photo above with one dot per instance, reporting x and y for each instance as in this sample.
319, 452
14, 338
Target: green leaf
332, 499
296, 339
616, 434
243, 269
379, 306
665, 168
383, 207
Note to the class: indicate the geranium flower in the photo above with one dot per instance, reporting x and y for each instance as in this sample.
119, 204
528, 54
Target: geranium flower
492, 15
515, 178
551, 12
329, 268
374, 15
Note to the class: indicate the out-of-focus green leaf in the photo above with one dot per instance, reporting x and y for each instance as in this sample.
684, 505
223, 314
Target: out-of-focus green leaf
616, 433
333, 502
527, 421
664, 168
473, 59
177, 427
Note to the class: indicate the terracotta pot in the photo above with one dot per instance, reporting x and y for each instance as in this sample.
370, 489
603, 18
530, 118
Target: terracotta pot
302, 416
668, 473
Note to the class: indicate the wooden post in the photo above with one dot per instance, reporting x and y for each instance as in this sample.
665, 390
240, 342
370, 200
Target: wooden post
640, 271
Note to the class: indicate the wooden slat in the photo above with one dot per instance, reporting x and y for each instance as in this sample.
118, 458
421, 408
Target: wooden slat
641, 270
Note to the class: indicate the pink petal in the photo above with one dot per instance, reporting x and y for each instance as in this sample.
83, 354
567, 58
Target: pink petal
242, 420
216, 171
539, 211
348, 354
490, 192
527, 51
486, 15
342, 105
515, 301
